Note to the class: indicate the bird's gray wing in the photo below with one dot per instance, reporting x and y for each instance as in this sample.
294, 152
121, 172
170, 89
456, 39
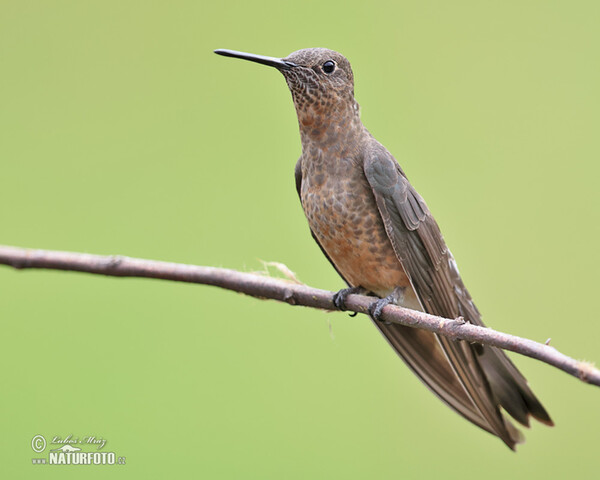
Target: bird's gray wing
487, 375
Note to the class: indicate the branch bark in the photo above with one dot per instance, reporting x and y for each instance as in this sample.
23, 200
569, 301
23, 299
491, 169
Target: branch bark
265, 287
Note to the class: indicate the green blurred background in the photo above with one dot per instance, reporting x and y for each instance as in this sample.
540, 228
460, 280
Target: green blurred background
122, 133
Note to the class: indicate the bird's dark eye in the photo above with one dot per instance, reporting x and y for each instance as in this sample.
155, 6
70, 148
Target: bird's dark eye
328, 66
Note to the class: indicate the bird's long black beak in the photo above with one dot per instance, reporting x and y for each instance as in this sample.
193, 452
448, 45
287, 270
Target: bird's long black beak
270, 61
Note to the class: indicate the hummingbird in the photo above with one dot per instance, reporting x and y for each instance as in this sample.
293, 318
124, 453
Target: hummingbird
381, 238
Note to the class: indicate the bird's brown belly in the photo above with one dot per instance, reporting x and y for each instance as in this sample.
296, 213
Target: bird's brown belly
348, 227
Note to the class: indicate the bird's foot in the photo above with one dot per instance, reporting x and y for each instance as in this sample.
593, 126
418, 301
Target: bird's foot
376, 308
339, 298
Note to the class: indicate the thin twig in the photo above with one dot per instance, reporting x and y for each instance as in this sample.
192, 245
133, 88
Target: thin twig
286, 291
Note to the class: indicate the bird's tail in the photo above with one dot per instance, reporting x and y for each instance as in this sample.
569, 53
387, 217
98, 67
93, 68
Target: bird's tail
503, 385
510, 387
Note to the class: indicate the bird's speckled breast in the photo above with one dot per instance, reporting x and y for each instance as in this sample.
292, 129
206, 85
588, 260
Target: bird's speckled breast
342, 213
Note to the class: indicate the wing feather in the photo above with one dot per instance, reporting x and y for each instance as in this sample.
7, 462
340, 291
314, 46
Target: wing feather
488, 376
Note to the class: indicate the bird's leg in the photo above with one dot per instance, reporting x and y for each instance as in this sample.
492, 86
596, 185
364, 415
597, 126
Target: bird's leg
396, 297
339, 298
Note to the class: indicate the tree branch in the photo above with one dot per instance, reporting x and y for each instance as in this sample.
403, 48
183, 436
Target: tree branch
293, 293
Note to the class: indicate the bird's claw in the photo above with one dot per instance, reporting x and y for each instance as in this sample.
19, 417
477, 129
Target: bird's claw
376, 308
339, 298
396, 297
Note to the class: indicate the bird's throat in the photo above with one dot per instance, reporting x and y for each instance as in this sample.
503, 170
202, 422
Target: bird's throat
325, 124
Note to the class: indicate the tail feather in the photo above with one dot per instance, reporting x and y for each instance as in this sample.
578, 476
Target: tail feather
504, 384
510, 387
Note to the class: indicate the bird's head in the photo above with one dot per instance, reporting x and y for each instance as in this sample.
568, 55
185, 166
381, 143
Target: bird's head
321, 82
